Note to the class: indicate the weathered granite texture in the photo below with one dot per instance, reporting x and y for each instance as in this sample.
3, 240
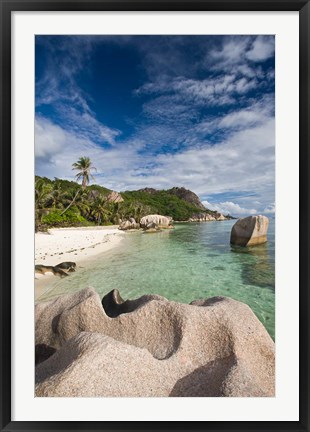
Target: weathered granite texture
151, 347
250, 231
115, 197
158, 220
205, 217
130, 224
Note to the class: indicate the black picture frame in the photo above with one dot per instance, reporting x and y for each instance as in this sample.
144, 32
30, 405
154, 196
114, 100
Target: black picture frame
7, 7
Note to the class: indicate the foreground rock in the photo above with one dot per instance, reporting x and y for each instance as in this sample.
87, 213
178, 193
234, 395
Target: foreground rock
250, 231
158, 221
151, 347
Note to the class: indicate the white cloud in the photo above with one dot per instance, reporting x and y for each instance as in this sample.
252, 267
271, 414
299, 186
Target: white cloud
241, 118
220, 90
56, 149
262, 49
257, 114
229, 207
240, 55
231, 52
50, 139
243, 162
271, 208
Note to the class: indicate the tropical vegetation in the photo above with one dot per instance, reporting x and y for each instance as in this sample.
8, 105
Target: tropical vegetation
61, 203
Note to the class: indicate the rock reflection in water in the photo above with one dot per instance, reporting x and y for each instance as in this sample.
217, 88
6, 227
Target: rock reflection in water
260, 271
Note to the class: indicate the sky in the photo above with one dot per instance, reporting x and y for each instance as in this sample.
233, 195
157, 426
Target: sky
161, 111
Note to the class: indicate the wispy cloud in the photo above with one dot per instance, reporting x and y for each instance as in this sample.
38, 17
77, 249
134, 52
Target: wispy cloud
241, 53
58, 87
206, 119
244, 162
220, 90
257, 113
270, 209
229, 207
261, 49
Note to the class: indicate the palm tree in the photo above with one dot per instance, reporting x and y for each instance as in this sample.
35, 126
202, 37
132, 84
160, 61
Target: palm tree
43, 194
57, 195
100, 210
84, 165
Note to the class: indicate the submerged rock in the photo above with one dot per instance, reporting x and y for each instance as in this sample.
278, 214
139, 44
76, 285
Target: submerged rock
151, 347
250, 231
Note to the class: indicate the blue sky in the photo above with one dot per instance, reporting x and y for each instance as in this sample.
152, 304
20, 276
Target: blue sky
161, 111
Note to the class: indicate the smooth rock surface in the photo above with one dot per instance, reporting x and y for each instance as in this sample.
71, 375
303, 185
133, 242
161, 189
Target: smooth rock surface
160, 221
250, 231
151, 347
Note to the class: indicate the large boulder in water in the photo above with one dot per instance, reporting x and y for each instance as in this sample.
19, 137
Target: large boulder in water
250, 231
151, 347
158, 220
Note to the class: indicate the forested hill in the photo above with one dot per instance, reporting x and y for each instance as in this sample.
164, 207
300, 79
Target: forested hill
179, 203
65, 203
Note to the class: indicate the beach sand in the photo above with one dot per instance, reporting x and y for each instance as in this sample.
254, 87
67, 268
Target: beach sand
71, 244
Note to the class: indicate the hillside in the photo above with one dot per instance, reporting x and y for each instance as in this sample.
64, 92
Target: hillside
71, 186
187, 196
65, 203
179, 203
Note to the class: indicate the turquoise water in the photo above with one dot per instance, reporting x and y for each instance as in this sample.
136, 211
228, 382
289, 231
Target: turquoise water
190, 262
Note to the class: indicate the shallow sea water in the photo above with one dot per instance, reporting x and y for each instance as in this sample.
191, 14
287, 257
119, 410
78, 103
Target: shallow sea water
191, 262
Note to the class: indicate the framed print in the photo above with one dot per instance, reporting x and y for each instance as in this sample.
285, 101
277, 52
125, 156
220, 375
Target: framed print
155, 231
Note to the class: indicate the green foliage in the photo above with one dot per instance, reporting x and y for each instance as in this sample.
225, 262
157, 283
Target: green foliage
84, 166
65, 203
55, 218
101, 189
164, 203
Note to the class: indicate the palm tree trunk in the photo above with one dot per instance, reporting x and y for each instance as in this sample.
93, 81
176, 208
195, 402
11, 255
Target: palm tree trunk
67, 208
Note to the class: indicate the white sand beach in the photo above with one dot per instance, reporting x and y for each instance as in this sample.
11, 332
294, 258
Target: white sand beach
71, 244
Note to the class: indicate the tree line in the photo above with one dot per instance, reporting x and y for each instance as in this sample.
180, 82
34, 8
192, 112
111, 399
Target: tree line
61, 202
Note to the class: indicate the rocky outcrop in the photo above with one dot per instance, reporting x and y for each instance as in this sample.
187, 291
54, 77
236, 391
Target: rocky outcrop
151, 347
205, 217
250, 231
93, 195
115, 197
188, 196
129, 224
148, 190
157, 220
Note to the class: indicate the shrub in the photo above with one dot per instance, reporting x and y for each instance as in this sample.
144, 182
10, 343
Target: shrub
55, 218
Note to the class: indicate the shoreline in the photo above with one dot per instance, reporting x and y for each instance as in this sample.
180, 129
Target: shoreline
71, 244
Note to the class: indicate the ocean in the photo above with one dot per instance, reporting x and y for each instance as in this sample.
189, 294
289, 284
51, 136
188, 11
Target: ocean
190, 262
